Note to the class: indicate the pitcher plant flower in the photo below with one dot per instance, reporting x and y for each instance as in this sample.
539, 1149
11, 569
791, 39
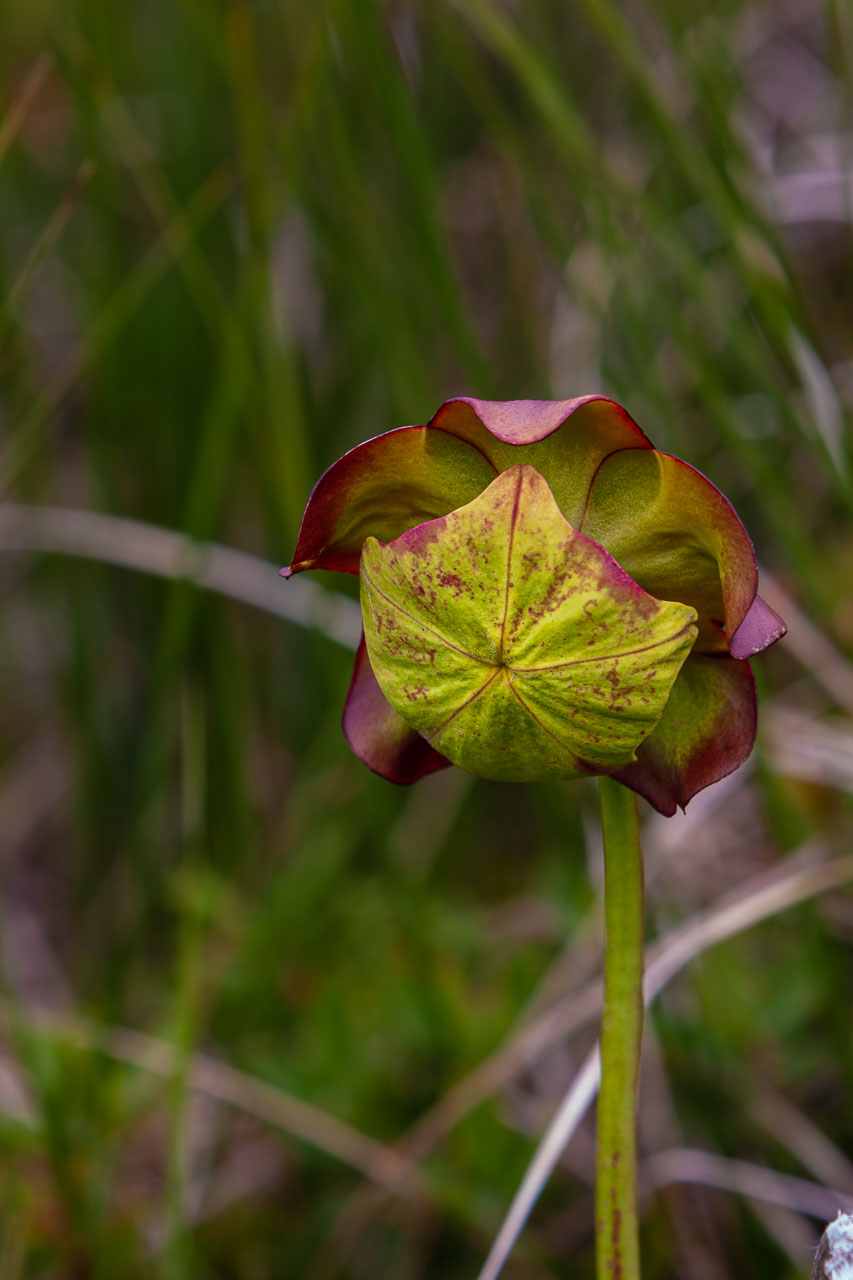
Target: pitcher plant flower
545, 595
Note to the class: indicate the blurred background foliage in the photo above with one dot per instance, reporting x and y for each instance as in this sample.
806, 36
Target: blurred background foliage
237, 238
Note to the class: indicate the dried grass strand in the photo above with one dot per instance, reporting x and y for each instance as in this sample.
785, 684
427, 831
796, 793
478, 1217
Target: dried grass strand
147, 548
697, 936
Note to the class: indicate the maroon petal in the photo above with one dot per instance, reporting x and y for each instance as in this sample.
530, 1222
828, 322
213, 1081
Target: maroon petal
383, 487
566, 440
760, 628
379, 736
706, 732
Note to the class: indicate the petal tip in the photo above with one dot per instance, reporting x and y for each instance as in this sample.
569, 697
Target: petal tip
296, 567
761, 628
520, 422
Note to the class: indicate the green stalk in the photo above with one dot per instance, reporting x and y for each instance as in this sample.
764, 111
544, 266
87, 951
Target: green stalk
617, 1248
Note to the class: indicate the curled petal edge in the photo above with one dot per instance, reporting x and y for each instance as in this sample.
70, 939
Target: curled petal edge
524, 422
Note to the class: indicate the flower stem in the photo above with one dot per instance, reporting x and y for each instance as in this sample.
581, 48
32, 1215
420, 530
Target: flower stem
616, 1234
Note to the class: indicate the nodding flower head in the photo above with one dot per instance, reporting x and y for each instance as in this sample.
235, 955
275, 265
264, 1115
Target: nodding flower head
544, 595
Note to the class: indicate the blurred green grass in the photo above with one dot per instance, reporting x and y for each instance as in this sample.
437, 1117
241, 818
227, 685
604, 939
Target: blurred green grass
236, 239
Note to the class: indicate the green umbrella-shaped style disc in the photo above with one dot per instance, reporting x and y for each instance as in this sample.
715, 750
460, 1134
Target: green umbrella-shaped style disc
516, 646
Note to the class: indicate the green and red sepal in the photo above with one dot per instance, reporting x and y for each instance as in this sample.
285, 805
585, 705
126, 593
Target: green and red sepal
678, 536
380, 489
